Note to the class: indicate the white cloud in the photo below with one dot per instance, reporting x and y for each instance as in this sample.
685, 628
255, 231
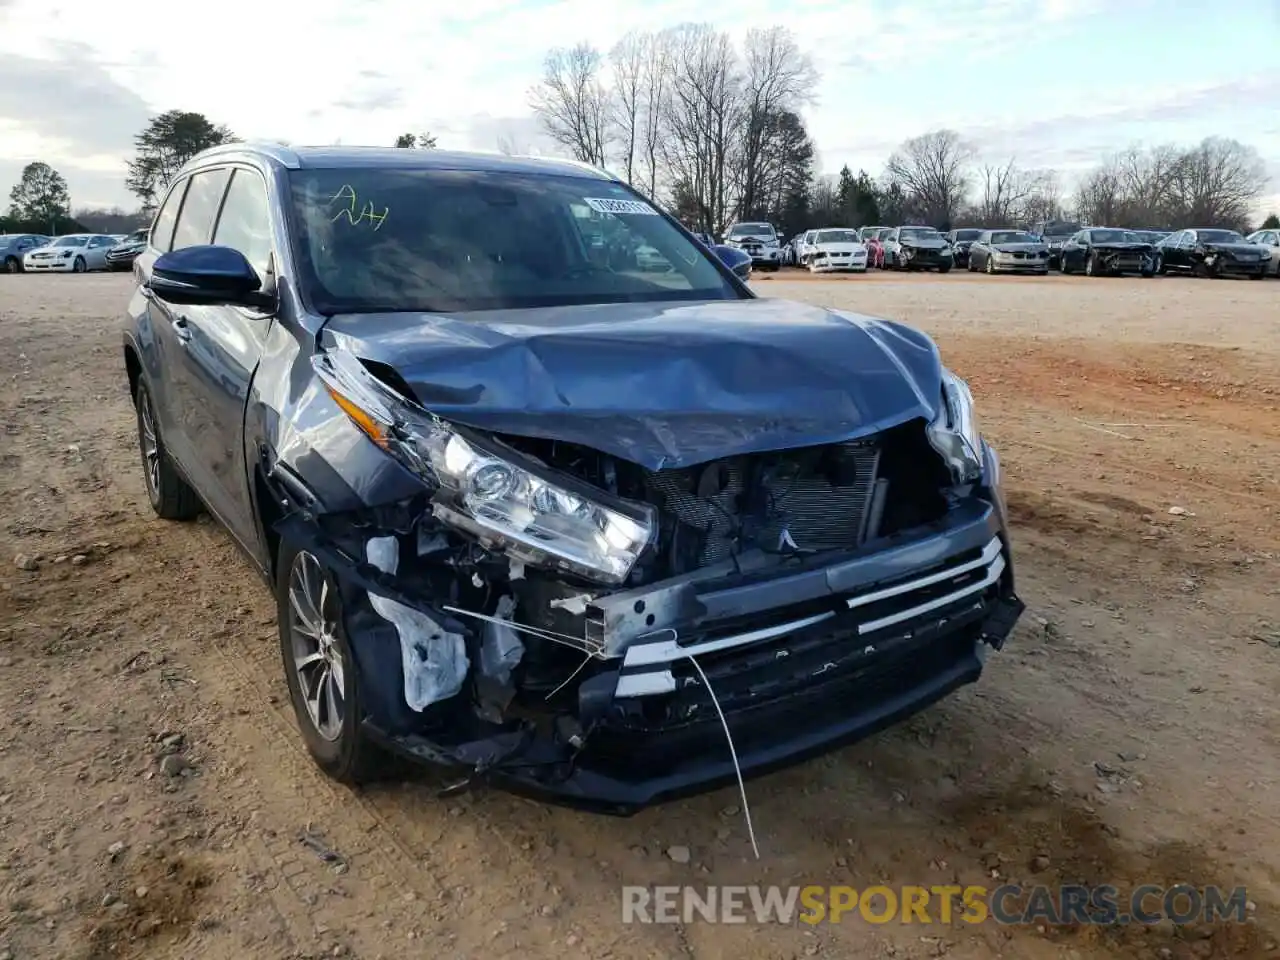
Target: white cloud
364, 72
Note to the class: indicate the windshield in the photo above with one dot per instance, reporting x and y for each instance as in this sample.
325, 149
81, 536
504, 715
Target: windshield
836, 236
1059, 229
70, 242
1219, 236
457, 240
1012, 236
919, 233
742, 230
968, 234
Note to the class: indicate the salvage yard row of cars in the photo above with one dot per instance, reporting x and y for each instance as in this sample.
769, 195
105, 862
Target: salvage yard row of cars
69, 253
1069, 248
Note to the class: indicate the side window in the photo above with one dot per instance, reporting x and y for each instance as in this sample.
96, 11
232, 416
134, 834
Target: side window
245, 221
99, 242
195, 221
162, 229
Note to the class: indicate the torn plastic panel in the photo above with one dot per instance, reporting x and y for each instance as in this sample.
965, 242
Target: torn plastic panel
434, 659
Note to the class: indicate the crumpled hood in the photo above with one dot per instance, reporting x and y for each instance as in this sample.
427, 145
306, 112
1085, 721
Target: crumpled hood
661, 385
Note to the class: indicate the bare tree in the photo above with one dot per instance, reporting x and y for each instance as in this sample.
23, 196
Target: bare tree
1005, 190
571, 102
931, 171
701, 119
628, 58
656, 95
1044, 201
1100, 198
1217, 183
778, 76
1147, 178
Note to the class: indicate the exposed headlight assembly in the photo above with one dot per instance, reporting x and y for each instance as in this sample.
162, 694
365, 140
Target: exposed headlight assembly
954, 432
502, 503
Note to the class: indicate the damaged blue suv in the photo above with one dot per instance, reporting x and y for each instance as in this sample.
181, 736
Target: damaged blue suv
546, 495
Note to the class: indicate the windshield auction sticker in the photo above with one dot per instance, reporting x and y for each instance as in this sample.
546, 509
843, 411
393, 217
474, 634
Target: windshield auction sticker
621, 207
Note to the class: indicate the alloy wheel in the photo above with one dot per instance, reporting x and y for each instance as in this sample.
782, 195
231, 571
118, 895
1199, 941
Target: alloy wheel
150, 443
317, 656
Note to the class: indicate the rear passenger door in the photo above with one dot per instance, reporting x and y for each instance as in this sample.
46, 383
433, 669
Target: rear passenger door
222, 346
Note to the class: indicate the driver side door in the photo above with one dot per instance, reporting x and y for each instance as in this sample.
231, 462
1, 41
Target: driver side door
222, 344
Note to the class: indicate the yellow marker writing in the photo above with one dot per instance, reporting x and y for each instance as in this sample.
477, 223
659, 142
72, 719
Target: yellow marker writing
346, 196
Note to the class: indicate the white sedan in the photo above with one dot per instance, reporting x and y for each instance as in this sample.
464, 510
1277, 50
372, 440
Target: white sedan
73, 253
1271, 240
835, 249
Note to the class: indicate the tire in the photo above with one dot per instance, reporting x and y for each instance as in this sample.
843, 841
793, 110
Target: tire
1160, 267
945, 268
971, 266
12, 265
79, 265
989, 266
1091, 265
1063, 268
170, 495
335, 736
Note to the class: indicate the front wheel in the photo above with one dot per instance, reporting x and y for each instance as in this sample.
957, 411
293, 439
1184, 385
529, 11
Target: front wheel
1091, 266
79, 266
171, 496
324, 681
945, 268
990, 265
11, 265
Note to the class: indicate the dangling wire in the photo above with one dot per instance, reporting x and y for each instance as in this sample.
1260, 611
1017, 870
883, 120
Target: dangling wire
742, 788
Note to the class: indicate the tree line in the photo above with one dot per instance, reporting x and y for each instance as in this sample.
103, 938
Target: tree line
714, 131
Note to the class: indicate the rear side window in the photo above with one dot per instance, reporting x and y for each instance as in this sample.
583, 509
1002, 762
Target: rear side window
245, 223
204, 195
162, 229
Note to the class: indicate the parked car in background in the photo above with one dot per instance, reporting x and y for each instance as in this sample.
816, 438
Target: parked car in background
1270, 241
869, 233
672, 510
1107, 251
961, 240
1055, 233
803, 243
917, 248
1213, 253
122, 255
1008, 251
72, 253
836, 249
875, 246
758, 239
706, 238
15, 246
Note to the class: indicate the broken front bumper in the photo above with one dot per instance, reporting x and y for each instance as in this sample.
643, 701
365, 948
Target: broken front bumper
800, 662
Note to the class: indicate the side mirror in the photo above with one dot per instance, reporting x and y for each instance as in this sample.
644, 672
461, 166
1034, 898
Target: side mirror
208, 274
734, 259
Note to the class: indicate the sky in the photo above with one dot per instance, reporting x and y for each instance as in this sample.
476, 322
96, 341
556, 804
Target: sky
1049, 83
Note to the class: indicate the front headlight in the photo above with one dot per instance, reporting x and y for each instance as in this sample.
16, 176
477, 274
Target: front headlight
954, 432
533, 519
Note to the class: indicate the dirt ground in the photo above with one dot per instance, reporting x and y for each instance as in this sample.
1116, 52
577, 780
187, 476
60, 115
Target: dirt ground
155, 800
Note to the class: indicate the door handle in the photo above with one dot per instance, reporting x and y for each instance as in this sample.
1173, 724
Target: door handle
181, 329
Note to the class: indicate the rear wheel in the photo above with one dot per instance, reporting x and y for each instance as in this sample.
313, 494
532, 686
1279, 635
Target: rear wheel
11, 265
171, 496
324, 681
